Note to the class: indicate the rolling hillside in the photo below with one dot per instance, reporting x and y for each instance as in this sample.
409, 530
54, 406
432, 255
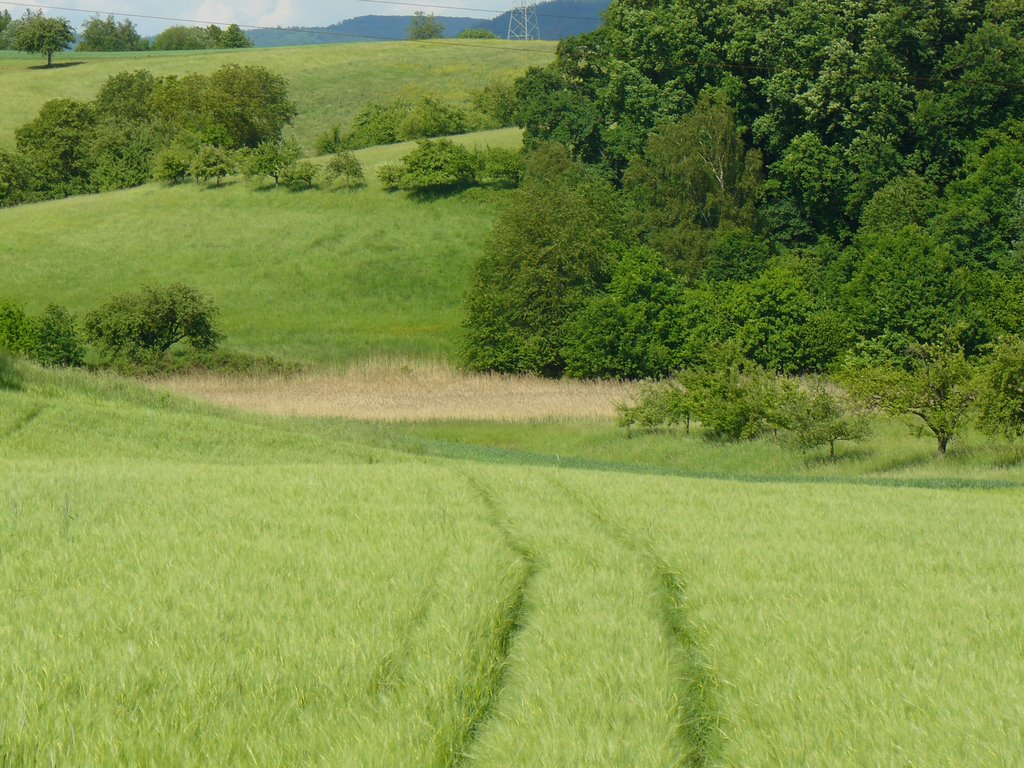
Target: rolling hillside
324, 277
317, 277
329, 83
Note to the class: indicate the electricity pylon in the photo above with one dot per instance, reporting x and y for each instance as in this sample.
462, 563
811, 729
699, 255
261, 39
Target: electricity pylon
522, 22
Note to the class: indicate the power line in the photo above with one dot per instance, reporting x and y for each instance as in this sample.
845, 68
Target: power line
297, 30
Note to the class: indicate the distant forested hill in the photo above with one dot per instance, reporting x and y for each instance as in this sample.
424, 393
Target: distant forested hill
558, 19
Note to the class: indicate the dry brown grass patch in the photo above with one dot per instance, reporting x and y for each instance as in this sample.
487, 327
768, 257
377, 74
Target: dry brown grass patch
389, 390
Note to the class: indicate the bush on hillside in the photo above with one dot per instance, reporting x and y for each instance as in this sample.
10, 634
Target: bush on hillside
14, 179
51, 338
390, 176
342, 171
172, 165
330, 141
377, 124
10, 376
657, 404
300, 175
498, 101
430, 118
476, 34
739, 400
14, 327
211, 162
270, 160
500, 167
437, 166
138, 328
54, 338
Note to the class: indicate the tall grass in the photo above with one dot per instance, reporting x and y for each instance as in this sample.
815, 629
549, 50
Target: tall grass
184, 586
386, 390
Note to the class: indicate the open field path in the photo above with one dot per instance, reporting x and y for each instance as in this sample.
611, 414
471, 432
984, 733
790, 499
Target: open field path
598, 669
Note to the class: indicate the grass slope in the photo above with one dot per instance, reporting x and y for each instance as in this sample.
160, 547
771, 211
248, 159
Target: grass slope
315, 276
329, 83
184, 587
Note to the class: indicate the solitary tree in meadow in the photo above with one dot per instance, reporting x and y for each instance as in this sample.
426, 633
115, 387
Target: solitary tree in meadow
40, 34
425, 26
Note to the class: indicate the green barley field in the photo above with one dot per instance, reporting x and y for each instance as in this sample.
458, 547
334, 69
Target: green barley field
184, 586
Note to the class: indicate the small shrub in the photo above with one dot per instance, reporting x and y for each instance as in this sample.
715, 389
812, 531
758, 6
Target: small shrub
656, 404
476, 34
437, 166
738, 401
377, 124
171, 165
330, 141
270, 160
821, 415
498, 101
430, 118
500, 167
342, 171
300, 175
14, 329
54, 339
10, 376
390, 176
211, 162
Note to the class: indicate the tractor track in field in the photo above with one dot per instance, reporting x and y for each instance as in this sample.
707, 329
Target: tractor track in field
508, 623
21, 423
698, 720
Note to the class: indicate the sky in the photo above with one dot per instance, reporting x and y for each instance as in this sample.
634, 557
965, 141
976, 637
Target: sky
264, 13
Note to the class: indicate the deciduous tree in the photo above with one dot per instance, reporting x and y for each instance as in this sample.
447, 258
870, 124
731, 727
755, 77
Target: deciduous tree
44, 35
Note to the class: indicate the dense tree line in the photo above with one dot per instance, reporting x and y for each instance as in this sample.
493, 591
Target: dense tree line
181, 38
818, 184
116, 140
35, 33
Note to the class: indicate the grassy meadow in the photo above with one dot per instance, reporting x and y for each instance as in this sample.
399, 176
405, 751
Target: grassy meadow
322, 277
329, 83
186, 586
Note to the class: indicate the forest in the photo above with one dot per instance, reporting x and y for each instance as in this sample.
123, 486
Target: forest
809, 183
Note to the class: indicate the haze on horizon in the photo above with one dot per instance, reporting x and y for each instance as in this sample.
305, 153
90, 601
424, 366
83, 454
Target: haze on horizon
247, 13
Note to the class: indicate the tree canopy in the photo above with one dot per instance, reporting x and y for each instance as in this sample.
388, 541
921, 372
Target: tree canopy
107, 34
824, 180
44, 35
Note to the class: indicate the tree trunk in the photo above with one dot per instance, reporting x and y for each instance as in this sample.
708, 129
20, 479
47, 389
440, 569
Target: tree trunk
943, 441
832, 451
49, 58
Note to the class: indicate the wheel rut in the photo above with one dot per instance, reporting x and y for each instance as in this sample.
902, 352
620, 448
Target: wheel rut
698, 719
508, 622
